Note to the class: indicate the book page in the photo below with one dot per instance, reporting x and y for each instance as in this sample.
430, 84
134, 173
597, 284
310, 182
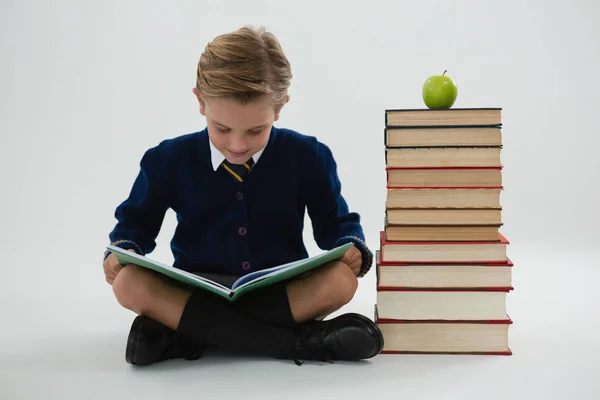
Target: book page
257, 275
286, 271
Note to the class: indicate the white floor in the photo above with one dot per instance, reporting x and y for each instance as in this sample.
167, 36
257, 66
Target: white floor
66, 341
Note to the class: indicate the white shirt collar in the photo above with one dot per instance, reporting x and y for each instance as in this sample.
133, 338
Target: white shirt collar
217, 157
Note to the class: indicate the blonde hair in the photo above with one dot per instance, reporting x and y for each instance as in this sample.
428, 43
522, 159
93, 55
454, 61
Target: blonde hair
244, 65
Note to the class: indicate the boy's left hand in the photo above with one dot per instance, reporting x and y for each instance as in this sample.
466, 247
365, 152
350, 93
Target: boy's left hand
353, 259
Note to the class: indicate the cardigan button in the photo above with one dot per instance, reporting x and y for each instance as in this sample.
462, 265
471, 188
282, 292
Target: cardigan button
239, 195
245, 265
242, 231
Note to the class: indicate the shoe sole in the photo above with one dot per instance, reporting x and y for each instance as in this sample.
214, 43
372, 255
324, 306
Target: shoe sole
131, 342
375, 329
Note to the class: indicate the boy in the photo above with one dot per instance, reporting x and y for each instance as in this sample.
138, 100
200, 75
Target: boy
240, 188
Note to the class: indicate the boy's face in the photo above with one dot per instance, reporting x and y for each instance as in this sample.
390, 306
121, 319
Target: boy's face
238, 131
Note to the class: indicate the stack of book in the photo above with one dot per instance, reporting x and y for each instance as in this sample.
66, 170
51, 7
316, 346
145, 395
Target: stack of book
443, 274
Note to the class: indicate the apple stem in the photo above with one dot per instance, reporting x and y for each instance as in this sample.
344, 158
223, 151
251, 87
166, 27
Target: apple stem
445, 72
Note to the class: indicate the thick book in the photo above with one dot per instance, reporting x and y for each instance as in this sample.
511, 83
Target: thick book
442, 136
441, 233
448, 177
252, 281
437, 157
482, 337
444, 252
391, 275
398, 197
442, 303
443, 216
426, 117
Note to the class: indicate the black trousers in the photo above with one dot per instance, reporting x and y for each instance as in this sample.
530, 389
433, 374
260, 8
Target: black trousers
259, 322
269, 305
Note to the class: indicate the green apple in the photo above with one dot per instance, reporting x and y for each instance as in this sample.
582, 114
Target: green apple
439, 91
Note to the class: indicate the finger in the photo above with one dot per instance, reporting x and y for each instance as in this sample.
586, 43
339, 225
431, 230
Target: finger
348, 256
107, 268
108, 271
357, 256
351, 254
115, 268
350, 261
114, 265
110, 276
113, 258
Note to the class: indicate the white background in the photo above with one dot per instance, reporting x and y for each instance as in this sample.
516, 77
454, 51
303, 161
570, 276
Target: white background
87, 87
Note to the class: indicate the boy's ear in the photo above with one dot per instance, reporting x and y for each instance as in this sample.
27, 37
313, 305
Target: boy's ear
287, 98
199, 97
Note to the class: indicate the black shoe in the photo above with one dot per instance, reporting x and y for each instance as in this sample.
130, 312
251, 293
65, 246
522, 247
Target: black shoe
150, 341
348, 337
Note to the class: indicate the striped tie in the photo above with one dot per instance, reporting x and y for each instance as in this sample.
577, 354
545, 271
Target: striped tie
238, 171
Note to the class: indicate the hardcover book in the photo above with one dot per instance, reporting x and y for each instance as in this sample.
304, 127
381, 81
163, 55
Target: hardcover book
246, 283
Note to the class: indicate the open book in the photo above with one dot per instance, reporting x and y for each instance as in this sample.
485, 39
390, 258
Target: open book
252, 281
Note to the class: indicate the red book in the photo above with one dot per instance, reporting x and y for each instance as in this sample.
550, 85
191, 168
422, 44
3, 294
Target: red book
444, 251
482, 337
392, 275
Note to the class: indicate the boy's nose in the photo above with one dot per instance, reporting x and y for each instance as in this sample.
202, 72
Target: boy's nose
237, 145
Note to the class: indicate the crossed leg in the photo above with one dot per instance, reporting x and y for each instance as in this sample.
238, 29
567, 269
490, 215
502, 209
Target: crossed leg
312, 296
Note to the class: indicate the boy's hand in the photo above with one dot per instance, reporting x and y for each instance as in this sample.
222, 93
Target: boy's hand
112, 267
353, 259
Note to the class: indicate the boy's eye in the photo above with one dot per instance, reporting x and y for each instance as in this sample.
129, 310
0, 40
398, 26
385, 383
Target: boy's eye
226, 130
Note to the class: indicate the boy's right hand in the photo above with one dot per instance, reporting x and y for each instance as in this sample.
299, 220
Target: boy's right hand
112, 267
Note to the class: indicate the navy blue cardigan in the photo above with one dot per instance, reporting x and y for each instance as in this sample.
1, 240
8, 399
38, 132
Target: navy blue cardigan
227, 228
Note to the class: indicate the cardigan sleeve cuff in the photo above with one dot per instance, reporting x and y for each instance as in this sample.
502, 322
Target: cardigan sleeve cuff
367, 255
124, 244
